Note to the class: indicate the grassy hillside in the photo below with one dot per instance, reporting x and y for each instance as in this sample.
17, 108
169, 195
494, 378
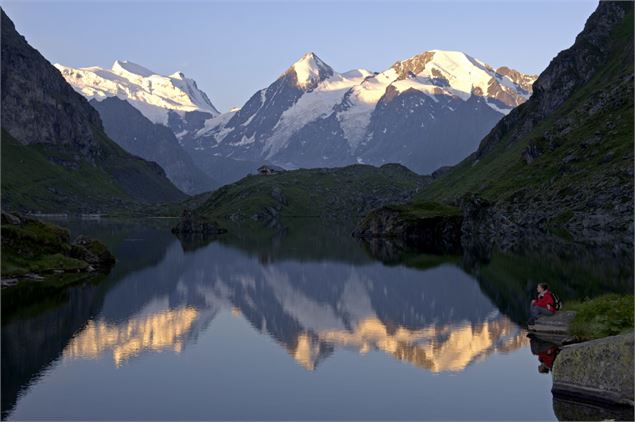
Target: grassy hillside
340, 193
573, 162
145, 181
31, 182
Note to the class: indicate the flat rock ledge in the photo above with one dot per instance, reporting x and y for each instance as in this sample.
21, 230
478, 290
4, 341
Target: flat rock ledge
598, 371
553, 328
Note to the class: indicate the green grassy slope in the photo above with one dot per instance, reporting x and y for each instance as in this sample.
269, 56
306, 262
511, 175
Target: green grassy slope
338, 193
145, 181
31, 182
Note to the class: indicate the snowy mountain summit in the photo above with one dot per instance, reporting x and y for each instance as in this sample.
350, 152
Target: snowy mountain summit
154, 95
425, 112
310, 70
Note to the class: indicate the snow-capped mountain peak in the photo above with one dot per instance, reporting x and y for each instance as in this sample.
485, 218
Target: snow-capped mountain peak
310, 70
459, 74
429, 110
125, 68
178, 75
153, 94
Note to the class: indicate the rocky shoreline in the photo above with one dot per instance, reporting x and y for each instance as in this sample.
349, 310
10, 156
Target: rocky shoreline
439, 233
596, 374
34, 251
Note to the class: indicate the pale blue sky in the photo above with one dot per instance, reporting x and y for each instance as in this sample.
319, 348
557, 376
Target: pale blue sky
234, 48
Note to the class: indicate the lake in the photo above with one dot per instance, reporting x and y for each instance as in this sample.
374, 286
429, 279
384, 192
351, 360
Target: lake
298, 323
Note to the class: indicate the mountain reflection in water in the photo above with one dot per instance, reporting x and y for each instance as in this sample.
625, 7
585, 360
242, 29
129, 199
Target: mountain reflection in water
317, 293
436, 319
156, 332
435, 348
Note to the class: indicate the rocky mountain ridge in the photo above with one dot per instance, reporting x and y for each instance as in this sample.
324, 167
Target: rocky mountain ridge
152, 141
312, 116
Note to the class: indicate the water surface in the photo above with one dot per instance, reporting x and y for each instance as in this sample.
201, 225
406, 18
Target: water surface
295, 324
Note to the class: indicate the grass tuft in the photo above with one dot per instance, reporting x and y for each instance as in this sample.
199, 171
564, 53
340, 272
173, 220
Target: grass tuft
603, 316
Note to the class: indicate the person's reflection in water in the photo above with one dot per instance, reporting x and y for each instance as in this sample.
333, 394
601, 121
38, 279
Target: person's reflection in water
546, 352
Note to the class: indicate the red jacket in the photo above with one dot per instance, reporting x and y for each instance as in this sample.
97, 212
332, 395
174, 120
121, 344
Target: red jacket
546, 301
548, 356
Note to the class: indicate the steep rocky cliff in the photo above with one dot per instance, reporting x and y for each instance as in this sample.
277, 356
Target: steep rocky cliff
563, 159
38, 106
57, 157
567, 73
151, 141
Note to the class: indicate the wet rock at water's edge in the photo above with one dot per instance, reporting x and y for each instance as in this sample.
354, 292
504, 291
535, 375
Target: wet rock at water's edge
554, 328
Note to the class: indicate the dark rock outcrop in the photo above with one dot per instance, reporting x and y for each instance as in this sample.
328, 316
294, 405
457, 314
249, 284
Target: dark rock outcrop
192, 223
436, 234
92, 251
38, 106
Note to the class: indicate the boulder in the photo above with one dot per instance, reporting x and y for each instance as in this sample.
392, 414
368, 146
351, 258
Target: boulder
597, 371
92, 251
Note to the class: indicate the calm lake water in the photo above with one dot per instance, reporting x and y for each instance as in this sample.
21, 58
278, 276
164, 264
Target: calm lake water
297, 324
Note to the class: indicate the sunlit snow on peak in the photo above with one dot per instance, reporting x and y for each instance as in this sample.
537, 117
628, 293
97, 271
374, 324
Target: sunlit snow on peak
311, 69
153, 94
128, 67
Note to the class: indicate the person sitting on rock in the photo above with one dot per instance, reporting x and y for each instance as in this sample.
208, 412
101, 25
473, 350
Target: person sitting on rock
544, 304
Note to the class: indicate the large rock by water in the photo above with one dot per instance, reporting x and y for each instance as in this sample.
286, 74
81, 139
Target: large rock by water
553, 328
598, 371
432, 233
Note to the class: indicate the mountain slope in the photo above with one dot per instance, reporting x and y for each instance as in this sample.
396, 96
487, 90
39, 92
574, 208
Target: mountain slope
139, 136
565, 157
30, 182
49, 119
340, 193
313, 116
